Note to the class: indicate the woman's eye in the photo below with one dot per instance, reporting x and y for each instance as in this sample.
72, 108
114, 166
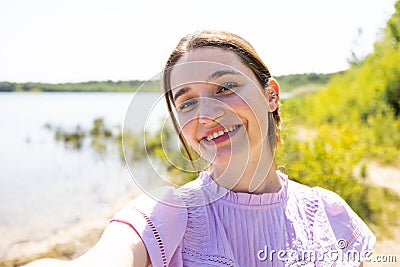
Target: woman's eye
187, 105
226, 87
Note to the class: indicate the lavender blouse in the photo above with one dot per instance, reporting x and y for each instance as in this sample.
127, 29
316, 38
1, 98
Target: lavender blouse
204, 224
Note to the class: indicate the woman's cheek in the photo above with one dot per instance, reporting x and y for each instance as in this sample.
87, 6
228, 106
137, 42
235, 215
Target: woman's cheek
239, 107
189, 133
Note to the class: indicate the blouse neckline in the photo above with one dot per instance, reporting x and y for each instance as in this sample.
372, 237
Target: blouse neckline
248, 199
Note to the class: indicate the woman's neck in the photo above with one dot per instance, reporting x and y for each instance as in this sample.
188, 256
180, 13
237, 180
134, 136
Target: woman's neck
251, 174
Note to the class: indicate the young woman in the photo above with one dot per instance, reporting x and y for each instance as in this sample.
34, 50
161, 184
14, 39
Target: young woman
241, 212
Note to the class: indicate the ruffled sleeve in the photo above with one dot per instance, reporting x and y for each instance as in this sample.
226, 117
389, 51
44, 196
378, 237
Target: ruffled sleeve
351, 233
160, 219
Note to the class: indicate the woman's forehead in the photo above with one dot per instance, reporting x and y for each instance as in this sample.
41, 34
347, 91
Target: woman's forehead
206, 65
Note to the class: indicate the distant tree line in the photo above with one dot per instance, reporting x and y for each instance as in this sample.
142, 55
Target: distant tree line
287, 82
293, 81
91, 86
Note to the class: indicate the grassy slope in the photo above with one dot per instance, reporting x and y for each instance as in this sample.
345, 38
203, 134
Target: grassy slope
332, 136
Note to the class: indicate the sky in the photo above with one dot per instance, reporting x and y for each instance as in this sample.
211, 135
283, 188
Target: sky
57, 41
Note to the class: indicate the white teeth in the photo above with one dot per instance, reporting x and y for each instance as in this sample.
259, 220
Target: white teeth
230, 129
219, 133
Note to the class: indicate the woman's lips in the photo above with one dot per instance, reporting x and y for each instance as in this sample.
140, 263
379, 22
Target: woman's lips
218, 136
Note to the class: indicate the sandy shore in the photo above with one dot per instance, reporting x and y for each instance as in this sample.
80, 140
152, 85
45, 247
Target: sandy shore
67, 243
77, 239
386, 176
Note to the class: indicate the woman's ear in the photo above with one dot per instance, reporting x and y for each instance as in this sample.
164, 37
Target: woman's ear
272, 90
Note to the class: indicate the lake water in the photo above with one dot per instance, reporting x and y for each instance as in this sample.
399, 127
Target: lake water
44, 186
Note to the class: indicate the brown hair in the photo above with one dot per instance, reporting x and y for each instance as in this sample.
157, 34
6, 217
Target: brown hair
227, 41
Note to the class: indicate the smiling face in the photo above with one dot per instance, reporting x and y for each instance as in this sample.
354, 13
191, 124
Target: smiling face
221, 107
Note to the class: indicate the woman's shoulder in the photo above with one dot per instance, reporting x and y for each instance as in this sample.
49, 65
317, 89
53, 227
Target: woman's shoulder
165, 201
330, 215
318, 198
160, 218
160, 202
328, 198
159, 210
325, 199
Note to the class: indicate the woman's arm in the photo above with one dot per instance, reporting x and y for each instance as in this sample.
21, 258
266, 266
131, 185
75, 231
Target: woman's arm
119, 246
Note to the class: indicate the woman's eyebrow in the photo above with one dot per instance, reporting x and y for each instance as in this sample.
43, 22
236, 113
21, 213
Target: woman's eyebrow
180, 92
220, 73
215, 75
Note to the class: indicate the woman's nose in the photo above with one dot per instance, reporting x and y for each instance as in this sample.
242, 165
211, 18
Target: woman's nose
210, 109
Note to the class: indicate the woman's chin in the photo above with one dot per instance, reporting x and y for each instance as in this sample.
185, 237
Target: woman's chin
235, 151
228, 158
